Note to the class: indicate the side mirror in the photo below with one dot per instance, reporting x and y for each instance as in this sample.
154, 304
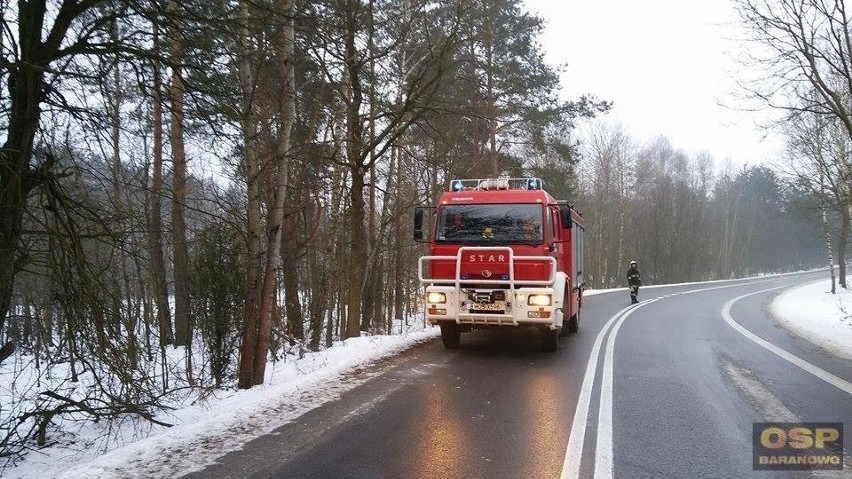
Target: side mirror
565, 216
420, 235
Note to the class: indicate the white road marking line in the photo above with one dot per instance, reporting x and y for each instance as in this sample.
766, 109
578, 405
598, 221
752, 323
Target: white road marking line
574, 450
826, 376
603, 444
771, 408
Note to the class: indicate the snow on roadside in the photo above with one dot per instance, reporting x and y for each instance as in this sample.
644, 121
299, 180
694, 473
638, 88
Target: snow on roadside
210, 427
812, 312
206, 430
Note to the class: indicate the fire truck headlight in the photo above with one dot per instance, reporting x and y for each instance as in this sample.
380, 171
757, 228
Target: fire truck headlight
539, 300
436, 298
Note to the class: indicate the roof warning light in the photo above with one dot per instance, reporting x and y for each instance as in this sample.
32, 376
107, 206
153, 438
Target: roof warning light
490, 184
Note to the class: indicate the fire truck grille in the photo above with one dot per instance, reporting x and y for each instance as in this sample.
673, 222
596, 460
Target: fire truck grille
493, 319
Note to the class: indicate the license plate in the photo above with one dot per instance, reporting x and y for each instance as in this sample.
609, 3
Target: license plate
498, 306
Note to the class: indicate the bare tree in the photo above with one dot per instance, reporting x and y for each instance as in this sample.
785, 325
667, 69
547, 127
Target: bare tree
608, 164
806, 52
265, 249
423, 79
818, 152
44, 43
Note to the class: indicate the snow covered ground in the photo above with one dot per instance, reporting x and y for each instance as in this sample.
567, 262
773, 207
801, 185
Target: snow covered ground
812, 312
205, 429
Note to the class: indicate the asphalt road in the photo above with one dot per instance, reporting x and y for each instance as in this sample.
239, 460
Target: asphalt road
670, 387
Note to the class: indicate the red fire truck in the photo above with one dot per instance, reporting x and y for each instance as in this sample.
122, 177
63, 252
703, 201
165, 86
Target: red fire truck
503, 253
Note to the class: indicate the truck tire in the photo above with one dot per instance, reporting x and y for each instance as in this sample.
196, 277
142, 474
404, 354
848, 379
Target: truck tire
566, 327
569, 325
550, 340
574, 323
450, 335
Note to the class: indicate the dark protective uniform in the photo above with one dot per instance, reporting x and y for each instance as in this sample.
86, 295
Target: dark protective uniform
634, 280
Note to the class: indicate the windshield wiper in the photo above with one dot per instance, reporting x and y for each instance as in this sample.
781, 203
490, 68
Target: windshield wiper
457, 241
527, 242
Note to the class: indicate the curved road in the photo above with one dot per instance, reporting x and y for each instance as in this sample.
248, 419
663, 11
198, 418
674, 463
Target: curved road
669, 387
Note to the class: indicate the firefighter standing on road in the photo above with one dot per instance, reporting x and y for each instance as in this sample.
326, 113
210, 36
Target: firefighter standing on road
634, 280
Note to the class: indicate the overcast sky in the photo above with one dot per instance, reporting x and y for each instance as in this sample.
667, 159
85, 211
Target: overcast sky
666, 65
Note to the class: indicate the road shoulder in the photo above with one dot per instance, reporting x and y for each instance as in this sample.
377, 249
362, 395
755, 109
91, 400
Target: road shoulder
813, 313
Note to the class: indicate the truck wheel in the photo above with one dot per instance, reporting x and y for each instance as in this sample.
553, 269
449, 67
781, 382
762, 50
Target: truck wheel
566, 322
550, 340
566, 327
574, 323
450, 335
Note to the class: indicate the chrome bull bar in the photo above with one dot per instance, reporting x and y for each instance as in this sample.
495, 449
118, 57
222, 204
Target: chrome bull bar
511, 282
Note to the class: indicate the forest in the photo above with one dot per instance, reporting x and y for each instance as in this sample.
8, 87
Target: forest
190, 190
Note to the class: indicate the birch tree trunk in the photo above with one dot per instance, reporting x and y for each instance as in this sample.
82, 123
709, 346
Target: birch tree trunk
827, 233
841, 247
398, 274
286, 115
828, 248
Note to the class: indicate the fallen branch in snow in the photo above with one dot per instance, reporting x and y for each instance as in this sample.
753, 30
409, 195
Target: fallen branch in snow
108, 410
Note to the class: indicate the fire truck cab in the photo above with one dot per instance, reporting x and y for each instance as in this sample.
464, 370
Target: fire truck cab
503, 253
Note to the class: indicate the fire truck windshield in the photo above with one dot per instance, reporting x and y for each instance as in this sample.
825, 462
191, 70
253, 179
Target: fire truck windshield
490, 224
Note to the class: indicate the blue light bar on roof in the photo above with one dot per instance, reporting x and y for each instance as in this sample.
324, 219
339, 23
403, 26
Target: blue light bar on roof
494, 184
